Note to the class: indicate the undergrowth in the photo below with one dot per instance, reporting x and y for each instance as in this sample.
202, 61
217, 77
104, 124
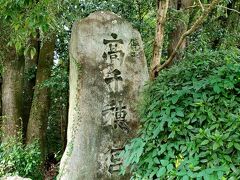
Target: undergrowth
190, 121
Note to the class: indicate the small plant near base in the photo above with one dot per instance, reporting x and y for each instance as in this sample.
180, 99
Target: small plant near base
19, 159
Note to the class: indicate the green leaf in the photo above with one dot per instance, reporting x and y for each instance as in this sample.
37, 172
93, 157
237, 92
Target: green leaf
164, 162
230, 144
169, 167
204, 142
215, 146
179, 112
220, 174
216, 88
161, 171
183, 148
154, 104
237, 146
18, 45
163, 149
196, 168
156, 160
228, 158
175, 99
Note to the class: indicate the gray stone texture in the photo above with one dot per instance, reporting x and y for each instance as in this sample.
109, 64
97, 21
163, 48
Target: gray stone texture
107, 71
14, 178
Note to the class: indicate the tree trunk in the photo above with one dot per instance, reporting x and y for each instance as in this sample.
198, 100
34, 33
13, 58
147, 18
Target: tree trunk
12, 91
29, 83
159, 36
181, 25
39, 111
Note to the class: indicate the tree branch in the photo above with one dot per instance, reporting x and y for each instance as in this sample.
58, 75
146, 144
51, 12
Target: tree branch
234, 10
194, 27
200, 4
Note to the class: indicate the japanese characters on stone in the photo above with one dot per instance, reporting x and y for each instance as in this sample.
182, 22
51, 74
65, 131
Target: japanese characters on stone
115, 111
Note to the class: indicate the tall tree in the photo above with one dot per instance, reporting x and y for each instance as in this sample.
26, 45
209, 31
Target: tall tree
12, 88
40, 106
31, 58
32, 20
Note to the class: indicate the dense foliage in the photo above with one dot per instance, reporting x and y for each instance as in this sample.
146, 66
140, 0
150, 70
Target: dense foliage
28, 17
191, 121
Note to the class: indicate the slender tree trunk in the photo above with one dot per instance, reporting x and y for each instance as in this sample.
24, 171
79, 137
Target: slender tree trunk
29, 83
159, 36
12, 91
39, 111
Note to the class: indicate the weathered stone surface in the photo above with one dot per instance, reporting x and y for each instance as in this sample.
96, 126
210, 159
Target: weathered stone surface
107, 71
14, 178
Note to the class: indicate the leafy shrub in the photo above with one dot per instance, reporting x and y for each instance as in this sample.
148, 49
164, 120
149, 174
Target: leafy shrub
17, 159
190, 121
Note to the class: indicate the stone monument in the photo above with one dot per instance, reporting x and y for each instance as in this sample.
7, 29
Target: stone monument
107, 71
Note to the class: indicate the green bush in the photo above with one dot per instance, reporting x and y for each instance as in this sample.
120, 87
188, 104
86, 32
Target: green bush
17, 159
190, 121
